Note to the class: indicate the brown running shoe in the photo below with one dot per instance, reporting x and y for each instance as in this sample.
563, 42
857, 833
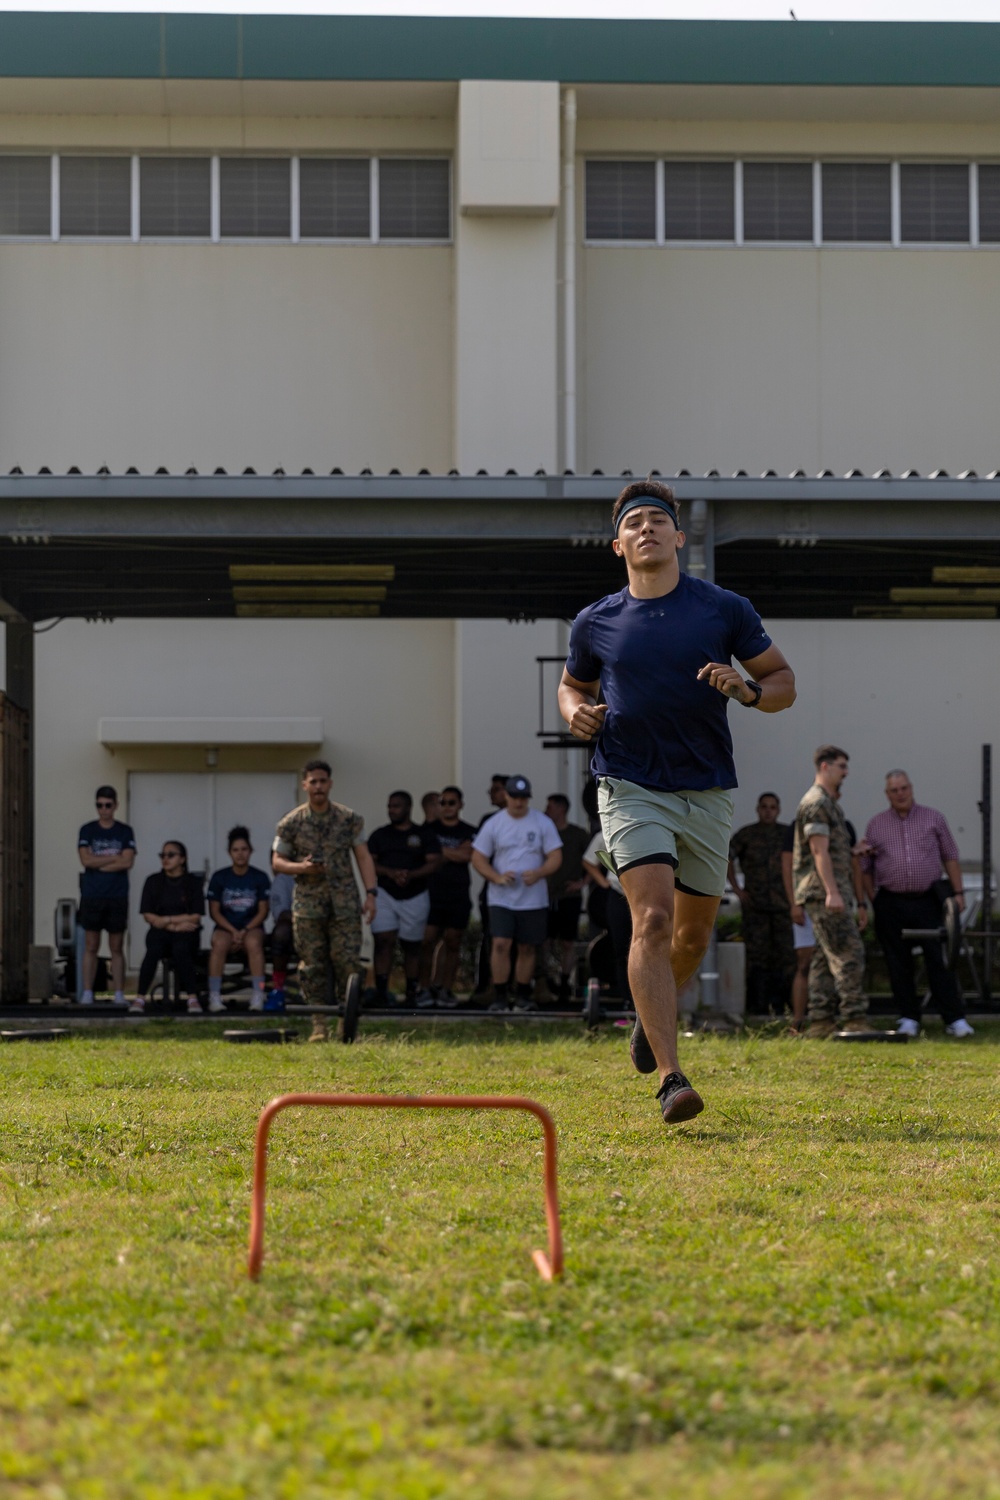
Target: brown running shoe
321, 1030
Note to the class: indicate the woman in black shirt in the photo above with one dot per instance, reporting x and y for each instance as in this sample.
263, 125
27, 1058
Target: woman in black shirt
173, 903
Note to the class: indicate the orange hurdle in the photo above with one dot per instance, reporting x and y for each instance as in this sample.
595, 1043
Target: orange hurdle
549, 1266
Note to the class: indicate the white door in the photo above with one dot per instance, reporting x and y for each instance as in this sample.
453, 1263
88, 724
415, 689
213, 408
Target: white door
199, 808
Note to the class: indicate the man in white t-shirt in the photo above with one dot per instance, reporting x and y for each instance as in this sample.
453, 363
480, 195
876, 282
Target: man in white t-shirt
515, 851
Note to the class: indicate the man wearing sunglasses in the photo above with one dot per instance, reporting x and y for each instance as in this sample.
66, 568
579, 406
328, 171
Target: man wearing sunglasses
107, 853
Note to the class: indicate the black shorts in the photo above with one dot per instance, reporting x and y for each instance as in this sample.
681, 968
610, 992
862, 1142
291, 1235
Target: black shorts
528, 927
564, 919
448, 914
103, 913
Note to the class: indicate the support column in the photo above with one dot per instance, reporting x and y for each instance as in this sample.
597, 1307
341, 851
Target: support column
17, 811
506, 277
700, 529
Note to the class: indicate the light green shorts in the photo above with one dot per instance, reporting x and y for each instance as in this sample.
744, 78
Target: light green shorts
688, 830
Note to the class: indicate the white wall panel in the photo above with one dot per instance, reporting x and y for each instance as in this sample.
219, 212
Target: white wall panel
230, 355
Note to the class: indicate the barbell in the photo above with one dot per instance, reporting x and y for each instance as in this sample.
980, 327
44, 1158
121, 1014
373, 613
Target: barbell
949, 934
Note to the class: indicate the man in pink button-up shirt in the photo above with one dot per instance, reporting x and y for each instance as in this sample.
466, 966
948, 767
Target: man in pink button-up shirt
908, 846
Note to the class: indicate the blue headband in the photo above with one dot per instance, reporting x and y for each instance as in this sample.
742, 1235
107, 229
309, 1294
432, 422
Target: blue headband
665, 505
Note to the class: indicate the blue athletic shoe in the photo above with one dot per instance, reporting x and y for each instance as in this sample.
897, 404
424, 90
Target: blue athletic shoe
275, 1000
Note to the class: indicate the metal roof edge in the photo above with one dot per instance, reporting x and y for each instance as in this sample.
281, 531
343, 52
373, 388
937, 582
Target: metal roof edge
36, 489
53, 44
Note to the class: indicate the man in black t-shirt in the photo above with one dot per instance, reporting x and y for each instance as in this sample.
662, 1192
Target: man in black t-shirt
405, 857
107, 853
451, 904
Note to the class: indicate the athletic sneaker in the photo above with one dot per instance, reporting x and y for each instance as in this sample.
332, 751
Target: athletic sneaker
906, 1026
194, 1006
447, 1000
641, 1053
495, 1006
425, 1000
85, 1000
523, 1007
960, 1027
678, 1100
275, 1001
216, 1005
137, 1007
256, 1004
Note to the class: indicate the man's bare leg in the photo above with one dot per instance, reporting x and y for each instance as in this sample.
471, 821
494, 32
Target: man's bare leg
670, 933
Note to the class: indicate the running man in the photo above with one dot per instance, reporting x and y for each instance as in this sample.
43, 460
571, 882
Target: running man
650, 674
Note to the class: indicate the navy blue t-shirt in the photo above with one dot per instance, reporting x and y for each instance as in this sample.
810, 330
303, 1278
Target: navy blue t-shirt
105, 885
239, 895
664, 729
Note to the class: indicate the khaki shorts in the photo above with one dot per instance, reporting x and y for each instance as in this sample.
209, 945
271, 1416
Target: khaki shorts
688, 830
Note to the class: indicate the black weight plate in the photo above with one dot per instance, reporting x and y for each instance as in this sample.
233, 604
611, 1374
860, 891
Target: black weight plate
39, 1034
352, 1009
952, 933
273, 1034
869, 1036
592, 1005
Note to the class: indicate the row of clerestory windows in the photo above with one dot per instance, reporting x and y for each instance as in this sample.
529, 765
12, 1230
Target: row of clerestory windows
225, 198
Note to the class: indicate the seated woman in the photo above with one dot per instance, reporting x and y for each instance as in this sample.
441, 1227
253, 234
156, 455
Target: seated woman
173, 904
238, 905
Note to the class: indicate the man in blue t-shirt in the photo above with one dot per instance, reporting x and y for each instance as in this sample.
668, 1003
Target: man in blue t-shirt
650, 675
107, 853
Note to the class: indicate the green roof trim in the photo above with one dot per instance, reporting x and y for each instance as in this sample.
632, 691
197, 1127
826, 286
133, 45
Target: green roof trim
881, 54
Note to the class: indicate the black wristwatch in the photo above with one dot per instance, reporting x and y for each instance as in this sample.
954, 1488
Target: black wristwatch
758, 693
371, 890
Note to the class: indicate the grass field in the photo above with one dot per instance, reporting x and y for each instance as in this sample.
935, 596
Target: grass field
794, 1295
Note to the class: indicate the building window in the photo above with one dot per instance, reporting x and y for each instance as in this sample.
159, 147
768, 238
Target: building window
933, 203
778, 200
175, 197
621, 200
95, 196
255, 198
414, 199
25, 195
335, 198
857, 201
989, 204
698, 200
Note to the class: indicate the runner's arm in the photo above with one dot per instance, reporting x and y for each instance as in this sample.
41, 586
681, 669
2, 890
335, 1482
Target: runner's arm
769, 670
579, 707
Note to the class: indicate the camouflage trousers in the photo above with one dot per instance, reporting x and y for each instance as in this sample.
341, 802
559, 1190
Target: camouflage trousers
837, 971
326, 931
767, 937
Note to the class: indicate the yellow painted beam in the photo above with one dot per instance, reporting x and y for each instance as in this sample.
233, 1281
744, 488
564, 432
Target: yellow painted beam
307, 611
945, 596
312, 572
966, 575
326, 593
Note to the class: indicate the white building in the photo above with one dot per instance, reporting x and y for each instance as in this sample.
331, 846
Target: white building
442, 247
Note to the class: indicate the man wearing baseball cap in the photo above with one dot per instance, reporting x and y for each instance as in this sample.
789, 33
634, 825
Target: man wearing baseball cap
514, 852
649, 677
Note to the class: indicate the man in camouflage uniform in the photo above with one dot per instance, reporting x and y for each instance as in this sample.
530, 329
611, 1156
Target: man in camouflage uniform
313, 843
824, 884
766, 919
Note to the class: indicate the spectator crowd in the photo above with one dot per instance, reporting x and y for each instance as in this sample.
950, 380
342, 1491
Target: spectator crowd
804, 888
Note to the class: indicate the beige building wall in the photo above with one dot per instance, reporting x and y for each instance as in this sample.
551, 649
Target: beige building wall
381, 687
782, 359
233, 355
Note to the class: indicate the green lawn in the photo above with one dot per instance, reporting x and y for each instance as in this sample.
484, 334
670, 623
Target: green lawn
794, 1295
